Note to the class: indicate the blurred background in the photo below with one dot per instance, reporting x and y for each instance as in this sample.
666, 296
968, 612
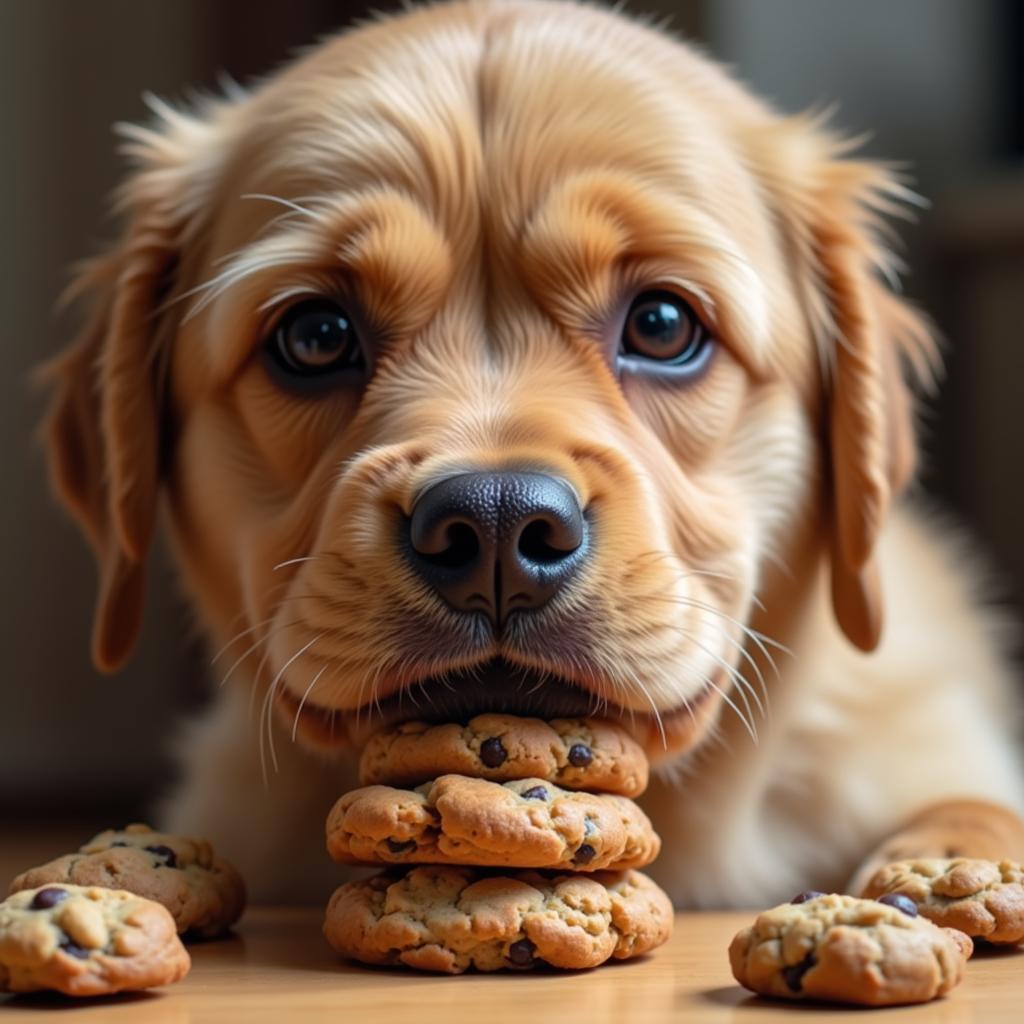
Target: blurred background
938, 83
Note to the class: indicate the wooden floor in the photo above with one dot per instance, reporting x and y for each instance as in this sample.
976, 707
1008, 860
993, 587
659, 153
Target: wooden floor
279, 969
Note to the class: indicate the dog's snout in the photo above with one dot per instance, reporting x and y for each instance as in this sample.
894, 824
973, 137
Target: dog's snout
497, 542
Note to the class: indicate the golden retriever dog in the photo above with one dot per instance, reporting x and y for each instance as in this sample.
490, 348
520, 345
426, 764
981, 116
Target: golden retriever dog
511, 356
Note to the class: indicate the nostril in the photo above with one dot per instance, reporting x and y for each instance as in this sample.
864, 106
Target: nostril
544, 543
461, 549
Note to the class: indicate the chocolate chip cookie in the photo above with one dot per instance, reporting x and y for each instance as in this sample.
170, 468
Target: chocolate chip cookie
529, 823
204, 893
450, 919
982, 898
87, 942
574, 753
848, 950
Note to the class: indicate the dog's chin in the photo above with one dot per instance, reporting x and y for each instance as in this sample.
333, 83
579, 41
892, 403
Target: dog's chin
497, 687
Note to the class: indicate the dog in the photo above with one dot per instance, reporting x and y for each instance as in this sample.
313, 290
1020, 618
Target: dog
512, 356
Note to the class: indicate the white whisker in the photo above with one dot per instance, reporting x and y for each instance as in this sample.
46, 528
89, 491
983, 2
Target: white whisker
262, 640
237, 637
268, 700
737, 677
761, 640
294, 561
281, 201
739, 714
302, 703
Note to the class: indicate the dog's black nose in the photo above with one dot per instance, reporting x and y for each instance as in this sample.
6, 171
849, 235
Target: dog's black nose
497, 542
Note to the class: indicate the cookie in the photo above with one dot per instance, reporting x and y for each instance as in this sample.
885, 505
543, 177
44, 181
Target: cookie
848, 950
456, 820
87, 942
204, 893
574, 753
450, 919
982, 898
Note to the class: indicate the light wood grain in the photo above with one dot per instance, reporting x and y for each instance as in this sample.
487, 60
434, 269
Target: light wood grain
279, 969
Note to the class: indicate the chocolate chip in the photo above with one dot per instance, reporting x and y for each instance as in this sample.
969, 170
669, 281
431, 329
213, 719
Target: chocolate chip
493, 752
585, 853
170, 858
521, 953
580, 755
900, 902
398, 846
48, 897
794, 974
809, 894
75, 950
534, 793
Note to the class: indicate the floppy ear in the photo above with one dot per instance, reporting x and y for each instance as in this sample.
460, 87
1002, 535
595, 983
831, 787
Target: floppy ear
102, 432
867, 337
870, 428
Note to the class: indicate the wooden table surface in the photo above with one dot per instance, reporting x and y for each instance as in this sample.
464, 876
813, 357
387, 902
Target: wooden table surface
277, 968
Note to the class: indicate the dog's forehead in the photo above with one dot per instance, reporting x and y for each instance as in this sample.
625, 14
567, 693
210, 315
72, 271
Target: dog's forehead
479, 110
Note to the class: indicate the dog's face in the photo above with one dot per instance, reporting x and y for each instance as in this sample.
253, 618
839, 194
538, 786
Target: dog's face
490, 357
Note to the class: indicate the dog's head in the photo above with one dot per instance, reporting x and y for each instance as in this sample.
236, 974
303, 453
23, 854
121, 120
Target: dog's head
493, 356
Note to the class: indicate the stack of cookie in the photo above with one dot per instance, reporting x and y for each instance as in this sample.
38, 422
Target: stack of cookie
549, 800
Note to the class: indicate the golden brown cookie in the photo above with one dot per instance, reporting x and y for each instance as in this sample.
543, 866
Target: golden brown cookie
981, 898
526, 824
450, 919
574, 753
87, 942
204, 893
848, 950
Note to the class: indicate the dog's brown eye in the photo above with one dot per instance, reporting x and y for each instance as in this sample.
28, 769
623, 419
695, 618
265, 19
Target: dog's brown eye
661, 326
315, 338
